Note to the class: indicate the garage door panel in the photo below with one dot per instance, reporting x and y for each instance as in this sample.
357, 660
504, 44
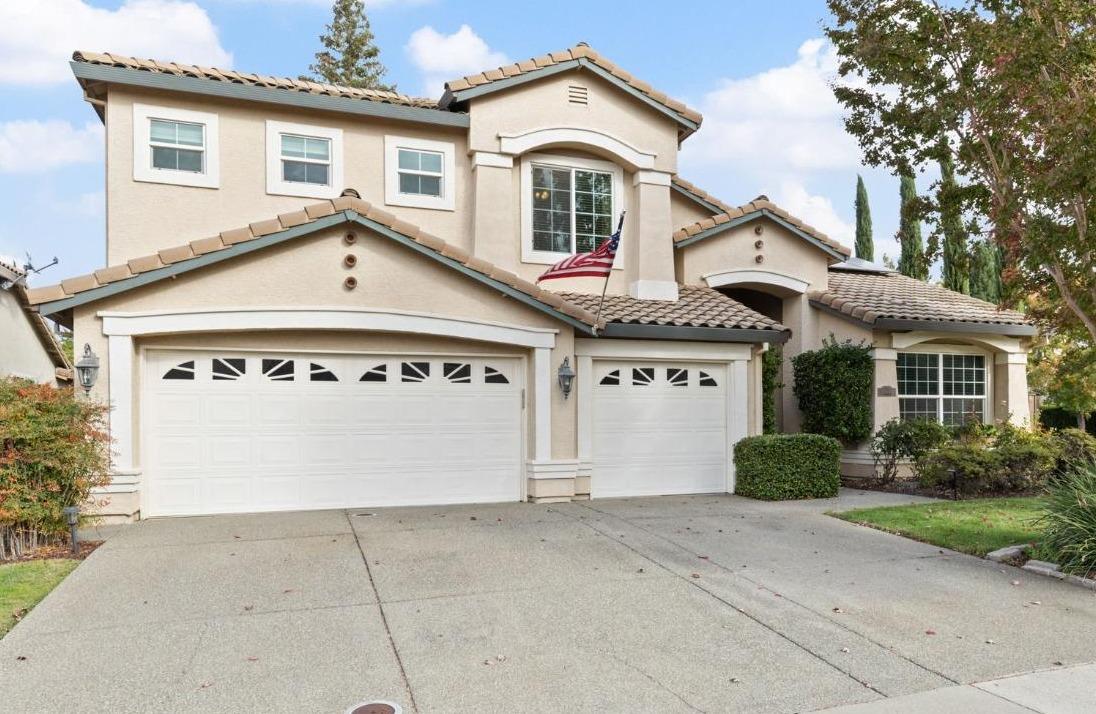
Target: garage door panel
658, 429
254, 442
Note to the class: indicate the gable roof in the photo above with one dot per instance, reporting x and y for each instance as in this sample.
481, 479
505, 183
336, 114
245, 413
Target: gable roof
287, 226
731, 216
580, 56
894, 301
92, 69
13, 279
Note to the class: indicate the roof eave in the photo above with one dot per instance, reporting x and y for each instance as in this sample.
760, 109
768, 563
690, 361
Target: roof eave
245, 247
86, 72
753, 216
903, 324
688, 126
636, 331
696, 198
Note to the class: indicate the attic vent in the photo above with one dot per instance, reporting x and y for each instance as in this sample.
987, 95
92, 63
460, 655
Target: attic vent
577, 94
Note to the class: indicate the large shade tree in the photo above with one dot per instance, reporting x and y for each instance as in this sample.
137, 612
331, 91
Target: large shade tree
1011, 86
350, 56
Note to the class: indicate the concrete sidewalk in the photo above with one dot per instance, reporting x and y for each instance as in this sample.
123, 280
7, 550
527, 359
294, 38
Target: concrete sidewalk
1069, 690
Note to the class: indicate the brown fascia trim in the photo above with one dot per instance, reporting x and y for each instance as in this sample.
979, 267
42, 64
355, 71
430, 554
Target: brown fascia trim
635, 331
896, 324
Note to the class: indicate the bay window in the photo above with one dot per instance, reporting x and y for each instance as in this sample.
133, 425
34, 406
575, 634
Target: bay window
947, 388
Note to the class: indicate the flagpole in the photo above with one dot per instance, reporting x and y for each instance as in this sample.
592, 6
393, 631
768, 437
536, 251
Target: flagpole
605, 287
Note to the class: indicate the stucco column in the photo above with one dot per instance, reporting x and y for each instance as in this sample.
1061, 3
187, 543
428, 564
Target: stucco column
1010, 388
649, 257
885, 387
494, 228
798, 317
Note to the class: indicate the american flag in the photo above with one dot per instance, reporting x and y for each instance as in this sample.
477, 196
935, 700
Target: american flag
596, 263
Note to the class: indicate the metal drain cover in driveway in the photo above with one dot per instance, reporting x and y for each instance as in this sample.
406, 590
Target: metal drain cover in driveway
375, 708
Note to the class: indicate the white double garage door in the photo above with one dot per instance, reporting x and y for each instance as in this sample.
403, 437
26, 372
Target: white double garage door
233, 432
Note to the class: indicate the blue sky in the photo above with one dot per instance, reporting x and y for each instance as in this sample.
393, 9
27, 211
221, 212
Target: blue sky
758, 72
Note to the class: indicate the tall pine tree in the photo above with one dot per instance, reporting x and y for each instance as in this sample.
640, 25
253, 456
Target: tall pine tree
350, 56
956, 269
911, 261
865, 248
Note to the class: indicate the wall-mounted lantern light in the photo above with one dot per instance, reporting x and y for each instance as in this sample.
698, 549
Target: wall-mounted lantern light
566, 377
87, 369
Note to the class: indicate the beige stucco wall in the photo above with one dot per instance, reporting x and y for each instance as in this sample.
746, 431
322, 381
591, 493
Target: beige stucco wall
21, 350
684, 211
145, 217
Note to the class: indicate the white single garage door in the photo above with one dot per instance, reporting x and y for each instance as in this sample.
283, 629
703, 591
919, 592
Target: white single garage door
659, 429
239, 432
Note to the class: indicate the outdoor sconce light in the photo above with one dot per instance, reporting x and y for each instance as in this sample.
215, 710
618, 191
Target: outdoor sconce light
566, 377
87, 369
72, 515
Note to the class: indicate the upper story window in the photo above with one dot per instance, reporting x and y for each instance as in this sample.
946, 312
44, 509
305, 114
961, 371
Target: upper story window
303, 160
419, 173
947, 388
175, 146
568, 206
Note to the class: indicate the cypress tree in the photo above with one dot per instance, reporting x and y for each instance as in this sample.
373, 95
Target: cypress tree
865, 248
911, 261
956, 268
985, 272
350, 56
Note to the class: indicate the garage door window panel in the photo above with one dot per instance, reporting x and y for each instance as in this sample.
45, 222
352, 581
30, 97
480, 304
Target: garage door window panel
493, 376
183, 370
375, 374
414, 371
229, 368
319, 373
458, 372
278, 370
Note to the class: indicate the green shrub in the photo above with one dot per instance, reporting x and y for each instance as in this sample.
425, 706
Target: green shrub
1069, 533
771, 362
53, 450
1074, 446
781, 467
905, 440
985, 460
834, 389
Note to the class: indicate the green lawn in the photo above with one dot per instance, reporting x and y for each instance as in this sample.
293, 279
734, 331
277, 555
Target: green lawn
23, 585
976, 526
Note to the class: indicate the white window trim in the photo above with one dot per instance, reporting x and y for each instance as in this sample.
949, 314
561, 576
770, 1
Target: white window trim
447, 201
544, 257
941, 349
275, 186
143, 114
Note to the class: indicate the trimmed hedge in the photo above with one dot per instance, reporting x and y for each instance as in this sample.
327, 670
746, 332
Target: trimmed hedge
834, 388
783, 467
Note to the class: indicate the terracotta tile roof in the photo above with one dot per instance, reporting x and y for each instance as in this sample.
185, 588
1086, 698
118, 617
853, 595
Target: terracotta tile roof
254, 80
697, 306
756, 206
579, 51
701, 194
870, 297
311, 213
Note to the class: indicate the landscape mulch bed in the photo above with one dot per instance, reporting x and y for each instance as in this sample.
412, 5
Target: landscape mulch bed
59, 550
911, 487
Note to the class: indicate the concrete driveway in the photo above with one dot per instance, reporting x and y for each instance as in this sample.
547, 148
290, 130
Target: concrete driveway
702, 603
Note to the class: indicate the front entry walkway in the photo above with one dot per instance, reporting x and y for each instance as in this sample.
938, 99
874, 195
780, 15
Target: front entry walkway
698, 603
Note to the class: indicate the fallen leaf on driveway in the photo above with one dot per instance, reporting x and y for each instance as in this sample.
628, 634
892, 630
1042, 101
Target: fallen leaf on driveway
252, 659
696, 575
21, 658
249, 608
930, 632
838, 610
1015, 582
702, 557
205, 685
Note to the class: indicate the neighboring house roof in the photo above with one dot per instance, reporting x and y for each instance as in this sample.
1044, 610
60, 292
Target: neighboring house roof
579, 56
13, 279
732, 216
696, 307
318, 216
894, 301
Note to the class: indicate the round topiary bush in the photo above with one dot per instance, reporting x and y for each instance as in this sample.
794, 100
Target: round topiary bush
783, 467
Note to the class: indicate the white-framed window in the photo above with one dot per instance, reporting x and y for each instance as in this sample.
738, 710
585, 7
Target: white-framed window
950, 388
303, 160
419, 173
569, 205
175, 146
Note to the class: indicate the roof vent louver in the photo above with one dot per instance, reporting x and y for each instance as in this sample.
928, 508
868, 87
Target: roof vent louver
577, 94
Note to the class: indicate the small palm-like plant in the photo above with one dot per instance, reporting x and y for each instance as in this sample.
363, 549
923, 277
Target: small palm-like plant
1070, 520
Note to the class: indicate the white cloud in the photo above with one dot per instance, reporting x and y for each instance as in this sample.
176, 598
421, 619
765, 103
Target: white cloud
816, 210
441, 58
38, 37
31, 146
784, 118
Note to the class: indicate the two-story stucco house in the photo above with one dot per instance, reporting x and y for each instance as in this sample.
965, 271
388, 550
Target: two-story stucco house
322, 297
